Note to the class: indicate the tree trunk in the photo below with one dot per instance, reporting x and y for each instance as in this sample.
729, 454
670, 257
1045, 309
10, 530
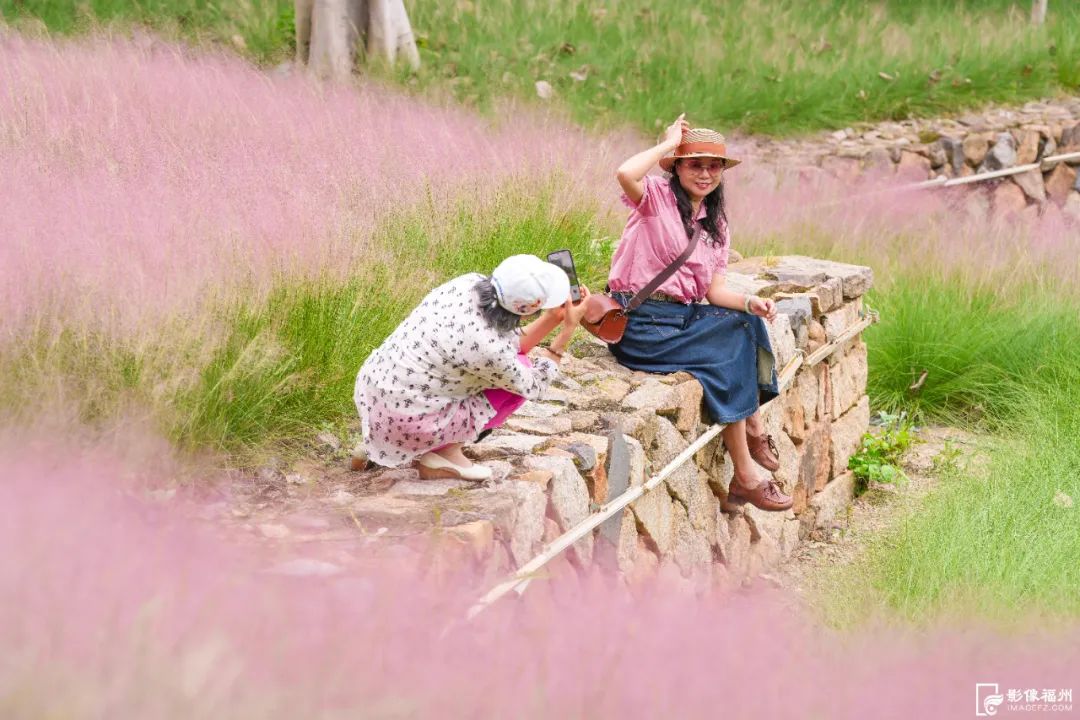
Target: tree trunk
303, 9
328, 34
390, 33
1038, 12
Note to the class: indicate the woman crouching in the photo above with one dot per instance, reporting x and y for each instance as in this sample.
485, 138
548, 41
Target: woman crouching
457, 366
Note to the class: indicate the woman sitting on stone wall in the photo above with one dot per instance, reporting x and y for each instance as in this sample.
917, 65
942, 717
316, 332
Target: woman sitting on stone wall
724, 344
456, 366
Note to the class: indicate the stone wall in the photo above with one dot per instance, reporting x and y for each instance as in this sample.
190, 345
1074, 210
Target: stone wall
602, 427
918, 150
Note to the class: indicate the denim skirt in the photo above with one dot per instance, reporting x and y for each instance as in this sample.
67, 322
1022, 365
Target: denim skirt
728, 351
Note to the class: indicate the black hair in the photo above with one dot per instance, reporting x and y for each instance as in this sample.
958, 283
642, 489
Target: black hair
495, 315
714, 208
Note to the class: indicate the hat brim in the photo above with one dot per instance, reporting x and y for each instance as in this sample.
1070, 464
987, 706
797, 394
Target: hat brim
666, 163
560, 285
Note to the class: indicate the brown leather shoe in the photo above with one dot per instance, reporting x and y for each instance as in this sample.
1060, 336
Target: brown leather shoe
766, 496
763, 450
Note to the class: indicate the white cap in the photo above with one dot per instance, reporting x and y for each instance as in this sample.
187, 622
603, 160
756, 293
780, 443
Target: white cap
525, 284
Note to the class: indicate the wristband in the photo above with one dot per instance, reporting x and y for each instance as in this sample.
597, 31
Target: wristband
556, 353
746, 304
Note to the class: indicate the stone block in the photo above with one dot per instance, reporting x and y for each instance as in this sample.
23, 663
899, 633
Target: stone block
815, 463
796, 306
1031, 183
584, 420
788, 473
804, 392
912, 167
837, 321
831, 504
478, 536
1071, 209
612, 389
540, 477
532, 409
655, 515
975, 146
626, 549
747, 283
764, 523
526, 527
1027, 145
691, 549
829, 294
847, 432
825, 395
503, 445
782, 339
1002, 155
652, 395
569, 497
1009, 199
848, 379
539, 425
688, 396
794, 418
1060, 182
734, 547
645, 565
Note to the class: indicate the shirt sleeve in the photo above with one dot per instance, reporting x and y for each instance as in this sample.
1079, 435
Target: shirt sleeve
500, 368
647, 205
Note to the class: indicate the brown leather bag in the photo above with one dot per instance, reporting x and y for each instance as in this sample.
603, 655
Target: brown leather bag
606, 318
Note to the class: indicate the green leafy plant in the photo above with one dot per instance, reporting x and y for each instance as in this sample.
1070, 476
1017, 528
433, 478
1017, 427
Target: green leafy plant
878, 457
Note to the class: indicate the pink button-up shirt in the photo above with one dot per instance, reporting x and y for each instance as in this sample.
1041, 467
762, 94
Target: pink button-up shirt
654, 236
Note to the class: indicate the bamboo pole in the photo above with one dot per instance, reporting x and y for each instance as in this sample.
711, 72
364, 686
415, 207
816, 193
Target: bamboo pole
1043, 165
521, 578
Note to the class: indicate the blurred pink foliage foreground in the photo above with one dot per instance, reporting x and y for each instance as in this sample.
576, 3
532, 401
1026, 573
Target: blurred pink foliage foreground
115, 605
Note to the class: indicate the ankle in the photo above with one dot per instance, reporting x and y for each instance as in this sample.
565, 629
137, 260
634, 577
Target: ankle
747, 481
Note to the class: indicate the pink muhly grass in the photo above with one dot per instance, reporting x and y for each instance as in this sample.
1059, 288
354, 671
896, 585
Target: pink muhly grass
115, 603
137, 179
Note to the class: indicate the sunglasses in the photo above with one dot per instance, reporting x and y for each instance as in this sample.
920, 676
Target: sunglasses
713, 167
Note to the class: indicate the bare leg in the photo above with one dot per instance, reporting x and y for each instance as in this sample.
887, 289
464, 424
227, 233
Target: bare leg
735, 442
754, 424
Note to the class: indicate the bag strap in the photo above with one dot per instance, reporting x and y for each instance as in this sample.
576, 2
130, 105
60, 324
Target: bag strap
643, 294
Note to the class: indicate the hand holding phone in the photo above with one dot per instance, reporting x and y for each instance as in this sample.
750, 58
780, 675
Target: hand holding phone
565, 260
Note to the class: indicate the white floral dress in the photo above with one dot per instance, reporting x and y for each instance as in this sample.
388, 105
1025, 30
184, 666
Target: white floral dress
423, 387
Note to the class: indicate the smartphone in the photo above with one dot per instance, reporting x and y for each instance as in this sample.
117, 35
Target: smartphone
565, 260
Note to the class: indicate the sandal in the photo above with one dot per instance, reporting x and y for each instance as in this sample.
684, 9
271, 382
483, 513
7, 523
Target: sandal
763, 450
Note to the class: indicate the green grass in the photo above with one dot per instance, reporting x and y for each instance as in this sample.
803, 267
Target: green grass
264, 26
990, 541
776, 67
283, 369
984, 351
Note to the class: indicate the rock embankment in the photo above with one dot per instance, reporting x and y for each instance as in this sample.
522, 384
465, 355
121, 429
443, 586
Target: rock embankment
918, 150
602, 428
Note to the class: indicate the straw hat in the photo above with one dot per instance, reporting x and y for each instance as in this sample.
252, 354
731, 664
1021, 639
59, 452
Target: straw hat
699, 142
